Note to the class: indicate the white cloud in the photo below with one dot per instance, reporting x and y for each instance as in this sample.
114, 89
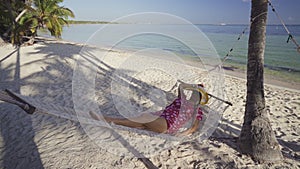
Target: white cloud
246, 0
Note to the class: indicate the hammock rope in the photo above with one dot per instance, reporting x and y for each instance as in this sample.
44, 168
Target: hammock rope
290, 36
224, 59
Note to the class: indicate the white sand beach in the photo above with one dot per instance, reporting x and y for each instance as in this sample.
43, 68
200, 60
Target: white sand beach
45, 72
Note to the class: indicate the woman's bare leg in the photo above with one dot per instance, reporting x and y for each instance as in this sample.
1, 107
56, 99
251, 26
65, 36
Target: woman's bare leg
157, 124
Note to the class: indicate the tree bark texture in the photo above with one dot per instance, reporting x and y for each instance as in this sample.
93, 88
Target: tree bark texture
257, 137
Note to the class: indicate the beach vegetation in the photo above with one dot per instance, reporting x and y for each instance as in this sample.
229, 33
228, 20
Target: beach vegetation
10, 13
21, 19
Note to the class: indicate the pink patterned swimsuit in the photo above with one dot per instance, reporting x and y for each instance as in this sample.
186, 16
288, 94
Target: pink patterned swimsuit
178, 113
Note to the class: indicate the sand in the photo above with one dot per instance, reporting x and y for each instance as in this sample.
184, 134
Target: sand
45, 72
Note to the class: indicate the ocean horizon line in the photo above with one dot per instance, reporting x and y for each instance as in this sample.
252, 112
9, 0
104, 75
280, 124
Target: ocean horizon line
149, 23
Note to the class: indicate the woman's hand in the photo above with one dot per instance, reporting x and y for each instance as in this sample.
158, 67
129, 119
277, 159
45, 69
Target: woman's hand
187, 85
191, 130
184, 133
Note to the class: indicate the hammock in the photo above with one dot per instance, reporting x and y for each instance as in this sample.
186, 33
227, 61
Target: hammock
31, 106
118, 138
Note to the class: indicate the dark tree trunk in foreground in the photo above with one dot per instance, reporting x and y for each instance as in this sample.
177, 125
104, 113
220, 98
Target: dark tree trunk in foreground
257, 137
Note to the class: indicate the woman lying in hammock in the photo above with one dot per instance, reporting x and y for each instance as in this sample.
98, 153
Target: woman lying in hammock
172, 118
169, 120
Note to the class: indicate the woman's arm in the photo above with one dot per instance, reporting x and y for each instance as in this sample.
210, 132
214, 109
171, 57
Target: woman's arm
191, 130
184, 86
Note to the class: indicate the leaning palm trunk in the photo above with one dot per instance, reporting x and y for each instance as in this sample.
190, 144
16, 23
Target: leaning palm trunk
257, 138
15, 21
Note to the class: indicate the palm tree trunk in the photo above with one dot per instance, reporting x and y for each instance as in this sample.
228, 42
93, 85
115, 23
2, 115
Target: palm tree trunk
20, 15
257, 137
15, 21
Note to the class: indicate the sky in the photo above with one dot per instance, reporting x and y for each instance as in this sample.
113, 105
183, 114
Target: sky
195, 11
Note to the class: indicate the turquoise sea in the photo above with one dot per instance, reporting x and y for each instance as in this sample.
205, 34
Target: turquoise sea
281, 58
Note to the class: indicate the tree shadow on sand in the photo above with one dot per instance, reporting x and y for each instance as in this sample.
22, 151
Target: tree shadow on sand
19, 149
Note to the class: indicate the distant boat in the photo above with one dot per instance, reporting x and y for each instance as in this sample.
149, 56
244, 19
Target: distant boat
222, 24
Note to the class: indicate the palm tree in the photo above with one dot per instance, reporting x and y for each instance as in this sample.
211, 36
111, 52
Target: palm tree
257, 138
21, 18
47, 14
10, 29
